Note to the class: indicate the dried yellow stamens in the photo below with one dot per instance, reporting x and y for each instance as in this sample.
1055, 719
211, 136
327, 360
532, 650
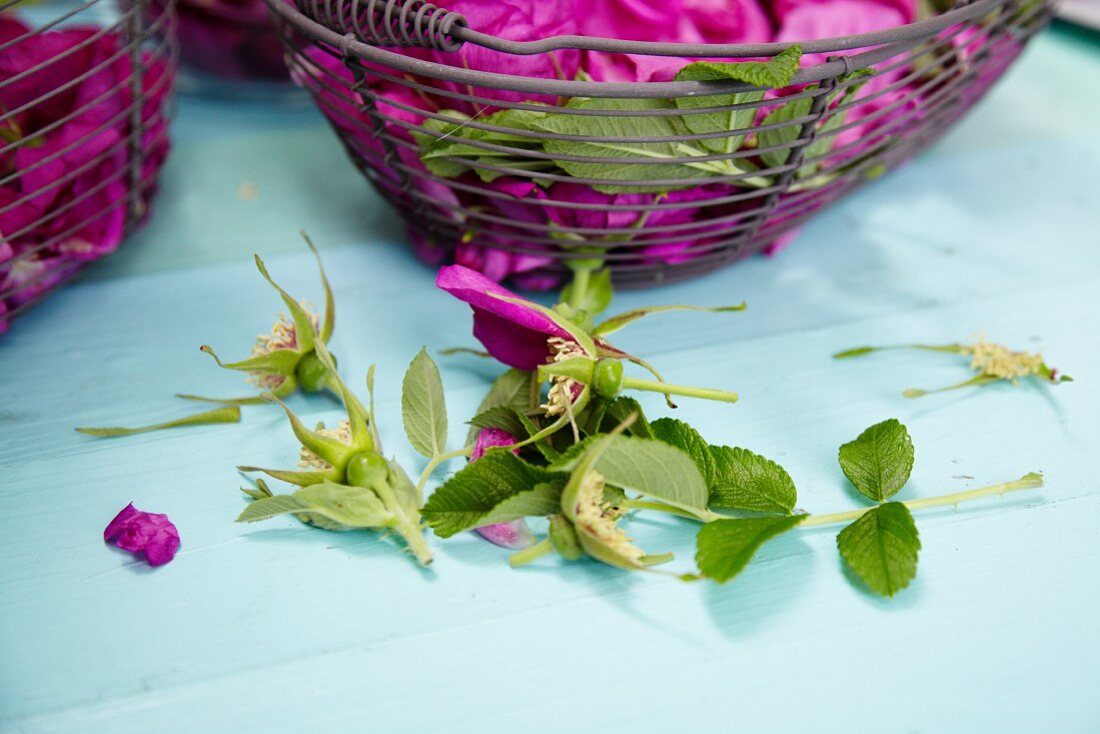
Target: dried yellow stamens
562, 389
309, 460
284, 335
997, 361
597, 518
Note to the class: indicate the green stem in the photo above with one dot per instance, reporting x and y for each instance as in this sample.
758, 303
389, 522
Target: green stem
527, 555
436, 461
1030, 481
578, 295
407, 527
705, 393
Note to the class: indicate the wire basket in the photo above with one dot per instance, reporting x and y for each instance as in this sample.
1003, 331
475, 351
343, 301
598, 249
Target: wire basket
439, 139
83, 132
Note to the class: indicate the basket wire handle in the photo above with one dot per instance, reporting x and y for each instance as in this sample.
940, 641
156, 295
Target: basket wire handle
400, 23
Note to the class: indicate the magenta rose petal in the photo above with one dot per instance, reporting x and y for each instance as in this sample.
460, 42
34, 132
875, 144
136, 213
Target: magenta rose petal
144, 532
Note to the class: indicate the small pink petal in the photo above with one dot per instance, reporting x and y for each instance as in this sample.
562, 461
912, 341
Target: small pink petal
514, 534
136, 531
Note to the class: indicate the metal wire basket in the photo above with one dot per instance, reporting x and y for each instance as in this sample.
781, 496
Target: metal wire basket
83, 132
526, 195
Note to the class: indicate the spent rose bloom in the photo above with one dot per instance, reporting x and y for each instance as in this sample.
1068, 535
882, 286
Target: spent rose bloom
144, 532
512, 332
514, 534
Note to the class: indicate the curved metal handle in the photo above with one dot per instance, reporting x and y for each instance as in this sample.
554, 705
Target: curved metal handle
394, 23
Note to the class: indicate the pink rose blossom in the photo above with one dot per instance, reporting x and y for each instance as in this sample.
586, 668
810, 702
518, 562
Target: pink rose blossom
144, 532
513, 333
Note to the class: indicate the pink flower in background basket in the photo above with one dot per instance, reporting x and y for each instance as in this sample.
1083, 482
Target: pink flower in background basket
65, 180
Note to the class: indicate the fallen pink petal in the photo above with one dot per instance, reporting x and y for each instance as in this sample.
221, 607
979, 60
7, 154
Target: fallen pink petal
144, 532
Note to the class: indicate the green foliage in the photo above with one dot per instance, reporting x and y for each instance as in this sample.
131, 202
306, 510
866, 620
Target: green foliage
423, 408
881, 547
725, 547
879, 461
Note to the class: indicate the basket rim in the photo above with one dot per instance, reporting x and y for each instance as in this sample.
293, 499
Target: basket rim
881, 45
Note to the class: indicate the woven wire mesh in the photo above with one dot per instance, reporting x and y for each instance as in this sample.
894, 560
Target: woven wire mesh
513, 198
83, 131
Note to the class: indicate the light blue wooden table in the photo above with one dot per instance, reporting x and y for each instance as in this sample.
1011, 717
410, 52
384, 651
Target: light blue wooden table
278, 627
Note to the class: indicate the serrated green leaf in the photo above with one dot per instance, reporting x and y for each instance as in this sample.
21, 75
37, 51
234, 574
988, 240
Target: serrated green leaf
774, 73
879, 461
446, 152
881, 547
511, 390
788, 133
230, 414
541, 500
621, 408
464, 500
501, 418
648, 467
725, 547
600, 136
681, 435
423, 408
744, 480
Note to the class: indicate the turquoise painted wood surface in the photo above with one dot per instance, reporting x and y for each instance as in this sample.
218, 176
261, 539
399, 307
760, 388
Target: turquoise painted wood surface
278, 627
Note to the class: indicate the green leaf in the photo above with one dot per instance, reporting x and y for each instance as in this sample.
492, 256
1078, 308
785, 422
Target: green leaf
265, 508
800, 108
725, 547
615, 323
540, 501
621, 408
350, 506
501, 418
651, 468
771, 74
446, 150
788, 133
681, 435
464, 500
300, 478
716, 122
423, 408
599, 136
511, 390
230, 414
881, 547
879, 461
747, 481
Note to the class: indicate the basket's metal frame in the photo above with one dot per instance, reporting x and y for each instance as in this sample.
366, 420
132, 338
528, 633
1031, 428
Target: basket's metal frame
355, 33
142, 38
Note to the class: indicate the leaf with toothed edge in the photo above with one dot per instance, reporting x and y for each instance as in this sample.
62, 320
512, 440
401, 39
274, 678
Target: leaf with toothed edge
878, 463
423, 408
881, 547
725, 547
744, 480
